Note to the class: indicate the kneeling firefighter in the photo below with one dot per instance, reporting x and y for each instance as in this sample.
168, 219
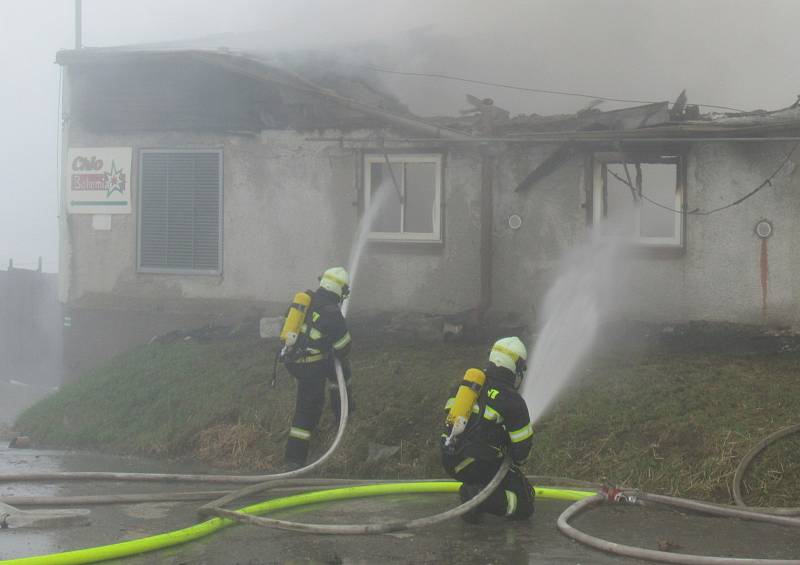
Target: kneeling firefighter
488, 418
315, 333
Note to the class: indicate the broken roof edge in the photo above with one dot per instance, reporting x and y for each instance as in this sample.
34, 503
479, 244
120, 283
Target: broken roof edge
632, 122
253, 67
757, 124
650, 135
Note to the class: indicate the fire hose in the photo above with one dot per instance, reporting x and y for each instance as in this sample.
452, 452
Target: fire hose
632, 497
214, 508
168, 539
777, 516
748, 459
227, 517
263, 482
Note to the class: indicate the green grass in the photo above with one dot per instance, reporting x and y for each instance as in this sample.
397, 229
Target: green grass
674, 423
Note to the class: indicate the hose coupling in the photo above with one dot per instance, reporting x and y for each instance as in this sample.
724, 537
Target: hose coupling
618, 495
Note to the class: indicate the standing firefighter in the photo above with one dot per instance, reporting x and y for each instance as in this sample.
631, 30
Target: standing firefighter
320, 335
487, 418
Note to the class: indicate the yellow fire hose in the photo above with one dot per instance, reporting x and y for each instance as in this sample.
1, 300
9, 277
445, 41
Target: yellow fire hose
176, 537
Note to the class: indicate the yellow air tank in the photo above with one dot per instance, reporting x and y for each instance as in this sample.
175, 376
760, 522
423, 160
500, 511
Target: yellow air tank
466, 395
294, 319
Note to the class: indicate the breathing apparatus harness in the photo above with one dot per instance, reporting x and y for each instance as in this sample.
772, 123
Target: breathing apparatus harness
461, 410
463, 427
293, 339
292, 336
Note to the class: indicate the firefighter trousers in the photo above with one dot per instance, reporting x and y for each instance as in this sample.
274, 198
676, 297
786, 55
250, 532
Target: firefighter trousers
311, 380
513, 498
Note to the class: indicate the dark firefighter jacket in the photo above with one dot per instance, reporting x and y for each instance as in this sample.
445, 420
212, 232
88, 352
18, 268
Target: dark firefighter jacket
499, 418
324, 330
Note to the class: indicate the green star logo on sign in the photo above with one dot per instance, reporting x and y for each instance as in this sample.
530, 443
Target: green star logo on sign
115, 180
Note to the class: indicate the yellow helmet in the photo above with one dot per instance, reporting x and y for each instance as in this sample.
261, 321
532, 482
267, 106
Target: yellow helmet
510, 353
337, 281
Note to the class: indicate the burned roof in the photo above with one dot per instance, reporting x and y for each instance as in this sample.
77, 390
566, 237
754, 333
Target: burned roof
136, 89
298, 70
347, 97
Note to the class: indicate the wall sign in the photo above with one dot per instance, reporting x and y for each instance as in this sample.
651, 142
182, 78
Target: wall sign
98, 180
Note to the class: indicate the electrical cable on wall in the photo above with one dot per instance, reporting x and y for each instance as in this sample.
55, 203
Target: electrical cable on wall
523, 88
699, 212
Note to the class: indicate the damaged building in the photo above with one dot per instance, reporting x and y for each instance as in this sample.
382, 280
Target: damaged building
205, 186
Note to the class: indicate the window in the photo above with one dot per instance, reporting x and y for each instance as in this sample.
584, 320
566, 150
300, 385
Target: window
640, 197
180, 211
404, 192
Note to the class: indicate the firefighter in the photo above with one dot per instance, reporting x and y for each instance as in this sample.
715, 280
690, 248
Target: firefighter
497, 423
321, 337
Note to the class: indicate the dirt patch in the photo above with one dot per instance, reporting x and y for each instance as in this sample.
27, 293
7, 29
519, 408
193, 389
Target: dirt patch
696, 337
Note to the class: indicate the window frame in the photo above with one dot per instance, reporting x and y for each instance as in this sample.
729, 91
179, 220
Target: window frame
599, 162
435, 236
165, 270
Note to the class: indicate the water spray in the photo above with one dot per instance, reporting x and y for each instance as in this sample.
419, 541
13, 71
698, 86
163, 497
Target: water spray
378, 201
573, 308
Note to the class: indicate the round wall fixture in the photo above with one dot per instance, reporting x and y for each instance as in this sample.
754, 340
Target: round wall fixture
514, 221
764, 229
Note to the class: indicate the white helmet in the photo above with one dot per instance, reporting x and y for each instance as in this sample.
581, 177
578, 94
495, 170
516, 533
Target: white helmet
510, 353
337, 281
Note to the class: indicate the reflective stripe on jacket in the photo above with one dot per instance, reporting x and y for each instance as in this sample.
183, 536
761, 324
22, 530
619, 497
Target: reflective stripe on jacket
499, 419
324, 330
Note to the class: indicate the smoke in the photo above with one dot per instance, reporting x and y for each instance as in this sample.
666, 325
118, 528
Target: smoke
584, 293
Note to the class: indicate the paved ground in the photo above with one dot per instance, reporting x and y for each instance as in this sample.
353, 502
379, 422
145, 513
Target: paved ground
454, 542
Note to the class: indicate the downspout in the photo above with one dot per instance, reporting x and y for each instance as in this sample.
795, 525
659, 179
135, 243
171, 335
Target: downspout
488, 159
66, 256
65, 270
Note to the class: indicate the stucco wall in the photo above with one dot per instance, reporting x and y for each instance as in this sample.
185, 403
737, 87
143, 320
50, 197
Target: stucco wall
723, 263
720, 275
553, 221
435, 278
717, 277
290, 209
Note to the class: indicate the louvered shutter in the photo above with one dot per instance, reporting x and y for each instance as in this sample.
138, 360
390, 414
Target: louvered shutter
180, 211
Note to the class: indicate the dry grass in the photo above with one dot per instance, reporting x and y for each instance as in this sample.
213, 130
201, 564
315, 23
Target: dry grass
670, 422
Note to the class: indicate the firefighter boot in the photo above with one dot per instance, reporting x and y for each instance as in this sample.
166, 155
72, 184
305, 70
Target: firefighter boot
468, 492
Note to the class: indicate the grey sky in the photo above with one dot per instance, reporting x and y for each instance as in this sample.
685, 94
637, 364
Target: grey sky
738, 53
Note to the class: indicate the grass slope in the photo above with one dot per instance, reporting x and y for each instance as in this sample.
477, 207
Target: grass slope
674, 423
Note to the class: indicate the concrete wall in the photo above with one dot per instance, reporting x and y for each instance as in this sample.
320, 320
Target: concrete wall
30, 328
